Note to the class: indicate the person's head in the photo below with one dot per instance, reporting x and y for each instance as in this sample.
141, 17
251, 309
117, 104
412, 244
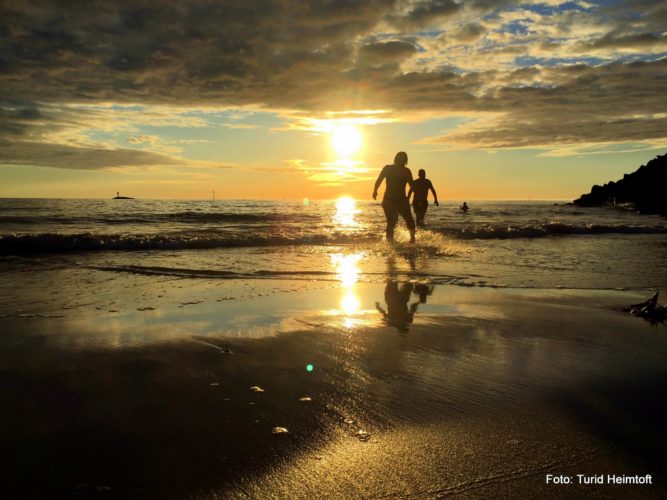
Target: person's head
401, 158
422, 173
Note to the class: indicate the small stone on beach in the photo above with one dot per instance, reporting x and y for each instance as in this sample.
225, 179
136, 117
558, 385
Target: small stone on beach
255, 388
279, 430
362, 435
305, 399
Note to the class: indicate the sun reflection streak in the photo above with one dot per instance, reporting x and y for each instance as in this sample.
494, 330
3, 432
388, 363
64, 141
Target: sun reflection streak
347, 272
350, 303
346, 211
346, 268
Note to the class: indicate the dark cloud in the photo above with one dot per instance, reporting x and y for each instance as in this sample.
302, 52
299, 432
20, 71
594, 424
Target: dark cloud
381, 53
40, 154
611, 103
425, 13
230, 52
469, 32
309, 56
620, 40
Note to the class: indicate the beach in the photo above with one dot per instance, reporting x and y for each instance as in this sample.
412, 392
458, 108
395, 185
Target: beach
334, 250
480, 392
244, 359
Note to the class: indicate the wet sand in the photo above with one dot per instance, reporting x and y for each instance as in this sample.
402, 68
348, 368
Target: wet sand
142, 389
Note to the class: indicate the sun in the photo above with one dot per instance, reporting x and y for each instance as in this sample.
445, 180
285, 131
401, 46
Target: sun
346, 140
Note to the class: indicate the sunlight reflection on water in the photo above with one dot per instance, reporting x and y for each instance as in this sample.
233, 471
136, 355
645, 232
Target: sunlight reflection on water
347, 271
346, 211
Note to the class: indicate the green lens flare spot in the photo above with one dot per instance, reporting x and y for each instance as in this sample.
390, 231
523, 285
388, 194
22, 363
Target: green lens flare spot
309, 367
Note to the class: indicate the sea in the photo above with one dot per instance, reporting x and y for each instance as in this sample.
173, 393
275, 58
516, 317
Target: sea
523, 244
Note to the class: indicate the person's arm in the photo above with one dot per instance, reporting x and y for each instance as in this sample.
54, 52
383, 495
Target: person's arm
410, 191
410, 181
379, 180
435, 196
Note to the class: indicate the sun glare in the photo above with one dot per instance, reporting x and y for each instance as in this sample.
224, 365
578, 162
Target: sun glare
346, 140
346, 210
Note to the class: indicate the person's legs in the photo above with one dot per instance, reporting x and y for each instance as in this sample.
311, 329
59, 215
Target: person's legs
415, 207
420, 210
406, 213
391, 213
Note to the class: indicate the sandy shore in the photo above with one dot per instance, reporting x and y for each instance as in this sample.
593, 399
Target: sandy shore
140, 387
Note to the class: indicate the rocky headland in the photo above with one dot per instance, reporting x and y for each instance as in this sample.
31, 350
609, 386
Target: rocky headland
645, 188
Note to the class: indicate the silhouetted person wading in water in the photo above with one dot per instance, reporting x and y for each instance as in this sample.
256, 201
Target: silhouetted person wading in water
394, 201
420, 189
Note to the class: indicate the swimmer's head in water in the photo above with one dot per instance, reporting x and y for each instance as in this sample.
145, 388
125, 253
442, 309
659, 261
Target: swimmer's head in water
421, 173
401, 158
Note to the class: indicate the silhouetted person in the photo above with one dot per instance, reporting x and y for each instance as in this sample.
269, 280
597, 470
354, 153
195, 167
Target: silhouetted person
464, 207
419, 189
394, 201
398, 314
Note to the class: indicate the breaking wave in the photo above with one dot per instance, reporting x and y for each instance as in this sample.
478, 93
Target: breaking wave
548, 229
56, 242
18, 244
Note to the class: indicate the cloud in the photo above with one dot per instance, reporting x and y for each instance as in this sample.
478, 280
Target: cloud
426, 13
551, 74
469, 32
616, 40
385, 52
144, 139
78, 158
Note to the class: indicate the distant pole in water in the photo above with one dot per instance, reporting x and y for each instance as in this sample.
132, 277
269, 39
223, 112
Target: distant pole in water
214, 195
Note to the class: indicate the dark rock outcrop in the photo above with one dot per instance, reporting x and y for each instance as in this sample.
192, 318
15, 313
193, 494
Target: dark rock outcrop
645, 188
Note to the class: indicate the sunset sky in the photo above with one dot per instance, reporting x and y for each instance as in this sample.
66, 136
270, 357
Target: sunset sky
496, 99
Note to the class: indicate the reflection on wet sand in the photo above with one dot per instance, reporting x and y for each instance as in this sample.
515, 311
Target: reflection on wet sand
398, 314
157, 403
422, 290
347, 273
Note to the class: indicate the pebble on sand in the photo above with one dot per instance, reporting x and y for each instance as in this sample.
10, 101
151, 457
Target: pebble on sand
305, 399
362, 435
255, 388
279, 430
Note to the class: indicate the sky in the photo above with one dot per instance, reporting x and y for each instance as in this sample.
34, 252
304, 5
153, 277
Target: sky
276, 99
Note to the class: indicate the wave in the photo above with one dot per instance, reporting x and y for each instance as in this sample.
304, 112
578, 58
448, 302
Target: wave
157, 218
548, 229
56, 242
18, 244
